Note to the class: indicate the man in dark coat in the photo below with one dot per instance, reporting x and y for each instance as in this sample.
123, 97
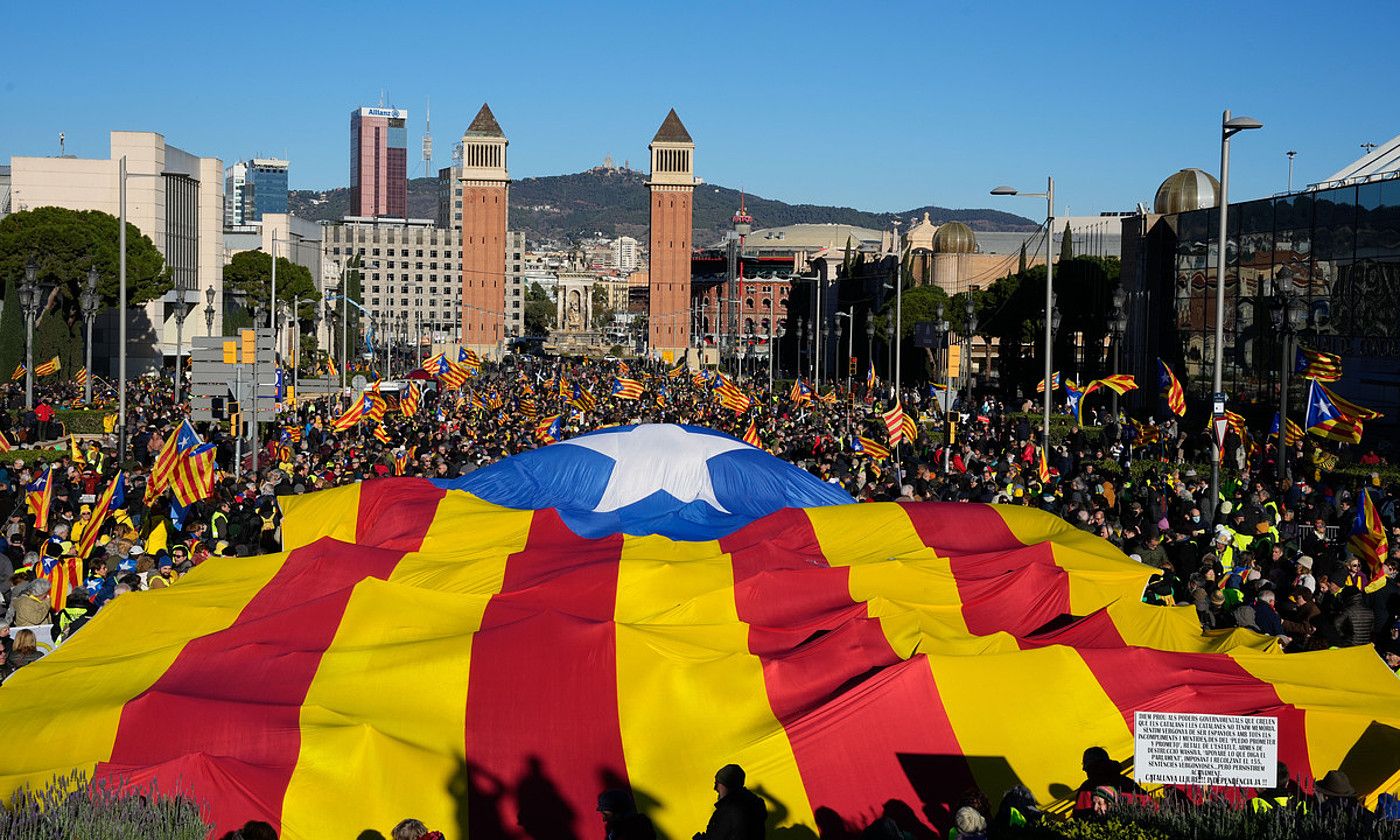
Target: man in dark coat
620, 818
740, 814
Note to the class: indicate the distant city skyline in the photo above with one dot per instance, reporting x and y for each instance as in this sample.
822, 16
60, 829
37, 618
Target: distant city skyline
881, 112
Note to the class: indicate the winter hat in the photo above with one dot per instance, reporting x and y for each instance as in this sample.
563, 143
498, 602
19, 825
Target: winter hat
730, 775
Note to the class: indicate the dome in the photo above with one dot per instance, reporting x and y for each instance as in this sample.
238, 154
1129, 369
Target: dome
1189, 189
954, 238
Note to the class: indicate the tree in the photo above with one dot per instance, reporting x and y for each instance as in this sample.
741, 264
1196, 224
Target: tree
11, 332
248, 277
65, 243
540, 311
1021, 264
1066, 245
602, 312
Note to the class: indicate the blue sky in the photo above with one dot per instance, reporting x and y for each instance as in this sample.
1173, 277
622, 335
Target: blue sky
874, 105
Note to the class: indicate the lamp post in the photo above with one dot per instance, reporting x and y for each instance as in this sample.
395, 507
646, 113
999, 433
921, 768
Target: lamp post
209, 311
801, 345
1229, 127
1049, 196
1117, 327
30, 300
181, 310
940, 324
898, 316
88, 302
1288, 315
969, 327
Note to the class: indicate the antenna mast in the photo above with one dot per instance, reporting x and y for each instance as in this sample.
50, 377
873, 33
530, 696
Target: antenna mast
428, 141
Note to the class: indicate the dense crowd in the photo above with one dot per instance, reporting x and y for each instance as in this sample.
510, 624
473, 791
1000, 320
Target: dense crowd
1272, 556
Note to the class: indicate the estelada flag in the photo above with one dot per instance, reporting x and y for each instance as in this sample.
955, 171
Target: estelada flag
106, 504
1315, 364
547, 430
1367, 536
677, 370
1171, 389
626, 389
408, 406
751, 436
182, 439
194, 474
869, 447
535, 599
1044, 468
800, 392
80, 378
381, 434
1325, 420
911, 428
48, 368
1054, 383
18, 374
1350, 408
38, 495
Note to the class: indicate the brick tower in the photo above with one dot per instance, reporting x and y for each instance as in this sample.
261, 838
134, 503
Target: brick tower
672, 185
484, 183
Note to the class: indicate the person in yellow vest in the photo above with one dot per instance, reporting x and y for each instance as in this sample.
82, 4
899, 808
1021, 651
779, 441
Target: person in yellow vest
84, 522
96, 460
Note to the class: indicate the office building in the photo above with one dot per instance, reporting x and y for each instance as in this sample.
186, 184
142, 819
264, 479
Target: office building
253, 188
174, 197
379, 162
626, 257
414, 266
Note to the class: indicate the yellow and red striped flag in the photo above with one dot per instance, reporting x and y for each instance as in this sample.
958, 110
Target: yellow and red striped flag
100, 511
38, 497
80, 378
1367, 536
381, 434
48, 368
182, 439
626, 389
18, 374
408, 404
751, 435
894, 424
870, 447
1043, 468
1054, 383
1315, 364
1348, 407
1171, 389
194, 474
4, 443
911, 428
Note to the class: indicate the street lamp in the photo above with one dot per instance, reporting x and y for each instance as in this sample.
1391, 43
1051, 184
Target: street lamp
1118, 326
940, 326
88, 302
869, 339
1229, 127
1288, 315
1049, 196
31, 300
182, 308
970, 327
801, 344
209, 311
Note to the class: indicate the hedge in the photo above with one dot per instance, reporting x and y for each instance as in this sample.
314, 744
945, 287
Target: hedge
74, 806
1214, 820
82, 421
30, 456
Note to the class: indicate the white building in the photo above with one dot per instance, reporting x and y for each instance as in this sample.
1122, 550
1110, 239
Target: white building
174, 197
413, 266
625, 255
235, 178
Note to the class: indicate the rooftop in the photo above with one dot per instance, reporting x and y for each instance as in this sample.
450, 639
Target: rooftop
672, 130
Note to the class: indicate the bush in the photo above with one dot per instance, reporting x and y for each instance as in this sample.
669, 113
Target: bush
1215, 820
81, 421
31, 456
73, 806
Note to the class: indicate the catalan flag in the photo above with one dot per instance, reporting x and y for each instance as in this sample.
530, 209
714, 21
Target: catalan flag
1119, 383
381, 434
75, 452
526, 407
800, 392
182, 439
292, 433
548, 430
468, 358
330, 367
1236, 421
1292, 436
894, 424
870, 447
112, 498
1147, 434
730, 396
1171, 389
828, 398
535, 599
400, 462
911, 428
1350, 408
751, 435
1054, 383
870, 378
4, 443
455, 376
434, 364
1367, 536
622, 368
361, 409
626, 389
38, 495
194, 474
48, 368
1325, 420
581, 399
1074, 398
1315, 364
412, 397
677, 370
80, 378
18, 374
1043, 469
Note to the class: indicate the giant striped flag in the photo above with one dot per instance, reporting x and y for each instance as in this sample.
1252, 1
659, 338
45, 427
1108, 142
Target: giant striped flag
1367, 536
647, 604
1315, 364
1171, 389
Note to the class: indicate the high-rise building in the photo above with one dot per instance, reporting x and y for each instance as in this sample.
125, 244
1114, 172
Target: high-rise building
485, 199
252, 188
672, 184
174, 197
625, 254
379, 162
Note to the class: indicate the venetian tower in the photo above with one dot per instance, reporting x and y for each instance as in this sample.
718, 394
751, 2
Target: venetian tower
672, 184
485, 192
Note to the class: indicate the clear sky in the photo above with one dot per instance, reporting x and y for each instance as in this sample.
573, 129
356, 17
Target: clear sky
880, 106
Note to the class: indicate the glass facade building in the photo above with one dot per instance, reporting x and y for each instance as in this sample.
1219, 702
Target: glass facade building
265, 188
1337, 251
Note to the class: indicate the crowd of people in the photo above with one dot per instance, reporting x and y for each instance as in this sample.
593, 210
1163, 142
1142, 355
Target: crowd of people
1269, 554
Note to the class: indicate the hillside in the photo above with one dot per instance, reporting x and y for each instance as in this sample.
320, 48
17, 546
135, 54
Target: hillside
559, 208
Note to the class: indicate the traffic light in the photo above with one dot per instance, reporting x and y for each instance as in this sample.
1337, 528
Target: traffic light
851, 368
235, 418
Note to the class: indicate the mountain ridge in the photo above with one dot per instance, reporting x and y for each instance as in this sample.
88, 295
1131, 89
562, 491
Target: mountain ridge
613, 202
